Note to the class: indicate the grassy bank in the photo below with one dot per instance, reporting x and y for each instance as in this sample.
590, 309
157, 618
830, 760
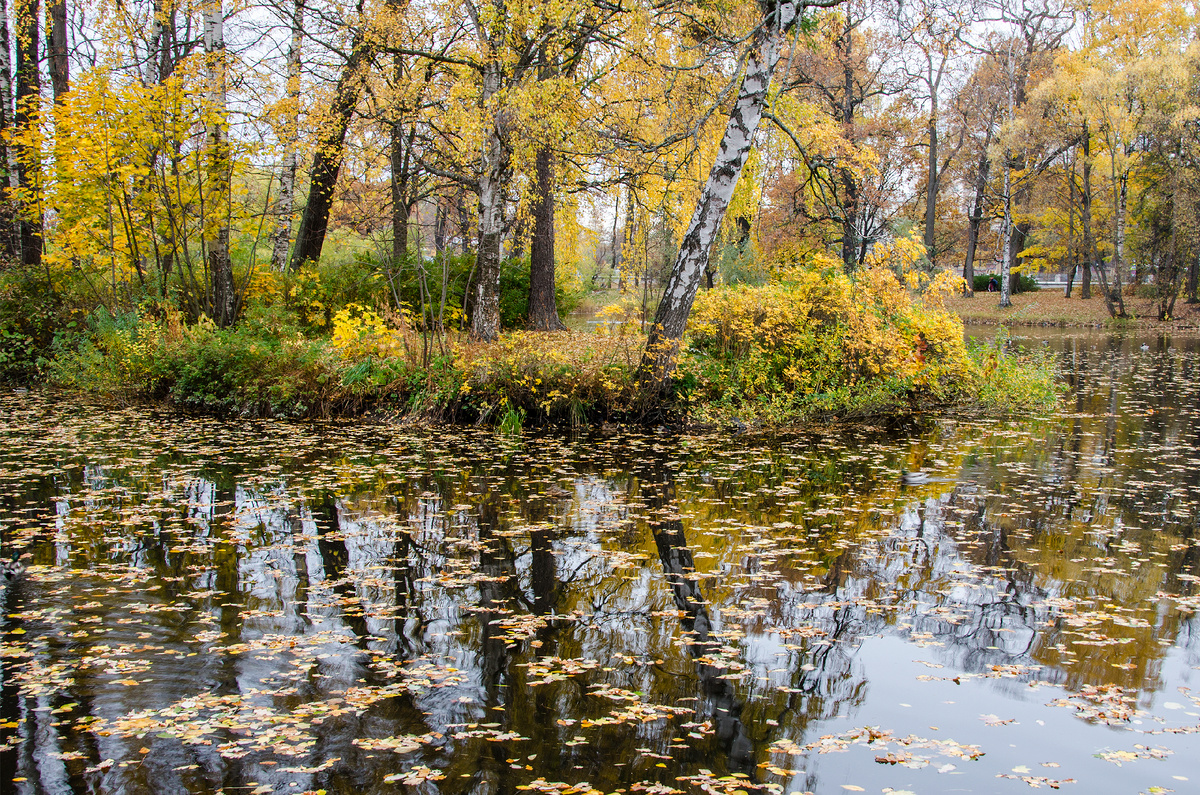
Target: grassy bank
814, 346
1052, 308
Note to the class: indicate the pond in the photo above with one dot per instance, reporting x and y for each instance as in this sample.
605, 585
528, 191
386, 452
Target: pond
956, 605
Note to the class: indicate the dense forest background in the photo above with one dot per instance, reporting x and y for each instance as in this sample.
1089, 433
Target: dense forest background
475, 165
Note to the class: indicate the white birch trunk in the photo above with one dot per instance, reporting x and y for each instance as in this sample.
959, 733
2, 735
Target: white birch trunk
217, 198
1006, 261
286, 203
6, 95
670, 320
493, 171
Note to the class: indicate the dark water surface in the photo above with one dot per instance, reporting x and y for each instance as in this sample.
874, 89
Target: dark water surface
958, 606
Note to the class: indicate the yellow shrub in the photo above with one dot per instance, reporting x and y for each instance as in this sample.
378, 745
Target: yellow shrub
820, 330
359, 332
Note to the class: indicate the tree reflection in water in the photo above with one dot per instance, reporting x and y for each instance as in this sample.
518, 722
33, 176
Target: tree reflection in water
452, 613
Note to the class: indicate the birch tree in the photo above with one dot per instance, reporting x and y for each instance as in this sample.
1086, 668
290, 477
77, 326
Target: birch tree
223, 296
286, 201
28, 96
670, 320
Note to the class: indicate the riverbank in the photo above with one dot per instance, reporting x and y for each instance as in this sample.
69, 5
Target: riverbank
1052, 308
817, 350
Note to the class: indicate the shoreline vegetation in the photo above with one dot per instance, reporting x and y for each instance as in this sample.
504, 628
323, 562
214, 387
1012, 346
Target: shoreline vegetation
813, 345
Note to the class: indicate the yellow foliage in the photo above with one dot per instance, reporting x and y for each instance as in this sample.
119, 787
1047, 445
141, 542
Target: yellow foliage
359, 332
821, 330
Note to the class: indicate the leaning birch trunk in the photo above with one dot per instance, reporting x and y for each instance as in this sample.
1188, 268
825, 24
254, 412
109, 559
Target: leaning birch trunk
658, 361
286, 203
220, 267
485, 315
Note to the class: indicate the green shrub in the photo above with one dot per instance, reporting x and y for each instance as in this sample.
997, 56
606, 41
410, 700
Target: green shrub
1025, 282
1009, 380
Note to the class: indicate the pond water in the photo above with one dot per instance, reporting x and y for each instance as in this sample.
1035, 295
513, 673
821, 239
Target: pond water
959, 605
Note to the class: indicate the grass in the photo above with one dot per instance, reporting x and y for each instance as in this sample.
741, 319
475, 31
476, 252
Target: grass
1052, 308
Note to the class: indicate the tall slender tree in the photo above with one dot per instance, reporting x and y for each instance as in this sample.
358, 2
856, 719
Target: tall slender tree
285, 203
223, 297
28, 97
662, 346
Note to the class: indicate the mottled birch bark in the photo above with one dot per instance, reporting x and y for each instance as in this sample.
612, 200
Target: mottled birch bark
493, 173
658, 361
27, 99
220, 266
1007, 257
285, 204
1121, 203
9, 236
1006, 262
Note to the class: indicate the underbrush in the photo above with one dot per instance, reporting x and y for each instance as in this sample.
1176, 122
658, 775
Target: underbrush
264, 367
815, 345
819, 345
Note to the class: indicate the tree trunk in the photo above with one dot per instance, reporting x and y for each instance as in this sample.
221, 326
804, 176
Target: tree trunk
543, 308
658, 361
1020, 234
401, 206
28, 158
975, 221
9, 232
1085, 218
1121, 206
931, 186
56, 48
220, 266
1006, 259
493, 179
285, 205
1071, 262
440, 221
327, 156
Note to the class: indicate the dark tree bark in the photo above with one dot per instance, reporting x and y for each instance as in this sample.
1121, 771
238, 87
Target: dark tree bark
400, 180
327, 157
440, 222
28, 93
1072, 263
56, 48
543, 308
983, 169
